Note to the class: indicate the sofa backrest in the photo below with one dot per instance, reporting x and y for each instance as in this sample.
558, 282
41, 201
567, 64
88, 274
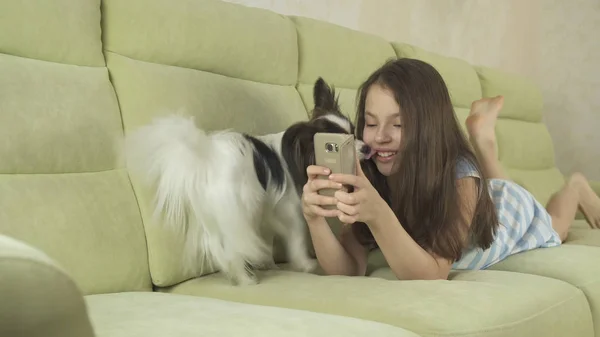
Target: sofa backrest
62, 188
525, 147
75, 85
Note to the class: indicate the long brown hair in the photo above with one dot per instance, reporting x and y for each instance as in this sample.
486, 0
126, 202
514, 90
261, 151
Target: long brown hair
422, 190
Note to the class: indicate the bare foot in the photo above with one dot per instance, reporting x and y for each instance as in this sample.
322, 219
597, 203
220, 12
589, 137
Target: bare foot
589, 202
482, 120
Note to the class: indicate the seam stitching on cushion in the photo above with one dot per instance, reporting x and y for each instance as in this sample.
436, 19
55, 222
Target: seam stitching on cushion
54, 62
336, 86
511, 324
298, 83
525, 168
588, 283
143, 223
63, 173
196, 69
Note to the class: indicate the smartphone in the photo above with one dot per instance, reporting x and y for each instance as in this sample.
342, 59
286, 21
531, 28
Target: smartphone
337, 152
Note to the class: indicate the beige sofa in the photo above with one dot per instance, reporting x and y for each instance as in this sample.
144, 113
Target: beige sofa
80, 255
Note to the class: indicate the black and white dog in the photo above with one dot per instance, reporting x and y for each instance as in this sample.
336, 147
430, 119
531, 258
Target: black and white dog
226, 189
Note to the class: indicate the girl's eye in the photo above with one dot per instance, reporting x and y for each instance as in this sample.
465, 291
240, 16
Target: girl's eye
397, 125
370, 125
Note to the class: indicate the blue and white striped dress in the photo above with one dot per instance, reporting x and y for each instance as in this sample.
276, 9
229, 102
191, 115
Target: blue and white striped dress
524, 223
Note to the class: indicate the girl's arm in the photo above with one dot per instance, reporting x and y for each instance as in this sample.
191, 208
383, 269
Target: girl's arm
343, 257
405, 257
337, 257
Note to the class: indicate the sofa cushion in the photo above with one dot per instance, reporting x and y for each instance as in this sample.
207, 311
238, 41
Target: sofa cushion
596, 186
212, 35
342, 56
515, 304
157, 314
147, 90
88, 222
63, 188
520, 122
39, 299
63, 31
577, 265
581, 234
523, 98
460, 77
537, 155
235, 72
572, 263
56, 118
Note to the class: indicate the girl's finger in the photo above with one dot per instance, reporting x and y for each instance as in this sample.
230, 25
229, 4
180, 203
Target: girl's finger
326, 213
347, 209
347, 219
316, 199
347, 179
346, 198
318, 184
313, 171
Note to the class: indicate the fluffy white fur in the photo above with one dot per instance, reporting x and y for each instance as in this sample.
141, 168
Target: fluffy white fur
207, 186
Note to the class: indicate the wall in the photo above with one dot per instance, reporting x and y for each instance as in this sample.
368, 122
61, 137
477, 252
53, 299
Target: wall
570, 81
550, 41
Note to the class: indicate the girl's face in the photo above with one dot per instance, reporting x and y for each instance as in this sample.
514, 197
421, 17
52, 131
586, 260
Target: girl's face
382, 130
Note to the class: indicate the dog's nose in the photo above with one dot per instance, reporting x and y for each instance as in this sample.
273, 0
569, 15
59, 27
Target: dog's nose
366, 149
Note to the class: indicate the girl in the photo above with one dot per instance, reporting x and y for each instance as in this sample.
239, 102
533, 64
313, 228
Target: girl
426, 199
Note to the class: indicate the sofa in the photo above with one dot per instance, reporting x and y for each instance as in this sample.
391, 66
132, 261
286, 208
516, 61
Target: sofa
80, 253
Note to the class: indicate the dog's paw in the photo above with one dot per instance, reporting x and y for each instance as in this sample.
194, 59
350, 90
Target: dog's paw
246, 279
270, 265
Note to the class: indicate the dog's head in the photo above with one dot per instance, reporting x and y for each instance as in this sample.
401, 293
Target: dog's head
326, 116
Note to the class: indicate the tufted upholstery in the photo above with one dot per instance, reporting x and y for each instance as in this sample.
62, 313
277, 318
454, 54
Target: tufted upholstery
62, 188
78, 75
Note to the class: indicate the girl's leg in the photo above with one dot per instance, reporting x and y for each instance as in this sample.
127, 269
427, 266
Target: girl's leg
481, 125
562, 207
575, 194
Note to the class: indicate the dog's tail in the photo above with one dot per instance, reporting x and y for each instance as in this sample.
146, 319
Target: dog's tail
169, 154
180, 161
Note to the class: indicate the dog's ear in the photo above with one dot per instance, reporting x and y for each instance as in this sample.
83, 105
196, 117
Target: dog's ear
325, 98
298, 151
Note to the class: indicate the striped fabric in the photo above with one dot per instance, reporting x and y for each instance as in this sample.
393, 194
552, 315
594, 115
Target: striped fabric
524, 223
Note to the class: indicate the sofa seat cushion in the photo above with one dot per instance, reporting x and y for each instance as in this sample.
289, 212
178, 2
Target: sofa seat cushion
581, 234
150, 314
575, 264
485, 303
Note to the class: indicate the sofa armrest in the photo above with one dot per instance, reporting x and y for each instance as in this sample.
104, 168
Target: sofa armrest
38, 297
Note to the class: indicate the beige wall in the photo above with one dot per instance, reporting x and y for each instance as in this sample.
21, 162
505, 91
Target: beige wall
553, 41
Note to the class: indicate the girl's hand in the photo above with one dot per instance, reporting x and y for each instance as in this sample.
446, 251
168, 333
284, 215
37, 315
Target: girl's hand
311, 200
362, 205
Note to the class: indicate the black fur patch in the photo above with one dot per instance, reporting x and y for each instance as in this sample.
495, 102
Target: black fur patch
297, 147
266, 164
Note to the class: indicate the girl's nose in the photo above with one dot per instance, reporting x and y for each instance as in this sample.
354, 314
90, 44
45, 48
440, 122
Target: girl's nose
382, 137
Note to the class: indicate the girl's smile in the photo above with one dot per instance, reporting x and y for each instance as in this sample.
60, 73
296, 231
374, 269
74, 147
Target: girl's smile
385, 156
382, 130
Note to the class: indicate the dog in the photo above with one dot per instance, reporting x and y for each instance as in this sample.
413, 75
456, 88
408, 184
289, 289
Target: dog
226, 189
